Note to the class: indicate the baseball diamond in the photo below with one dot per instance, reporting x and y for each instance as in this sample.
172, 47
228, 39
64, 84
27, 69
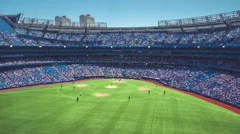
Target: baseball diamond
50, 108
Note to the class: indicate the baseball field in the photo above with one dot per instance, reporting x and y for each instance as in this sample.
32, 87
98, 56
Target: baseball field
111, 106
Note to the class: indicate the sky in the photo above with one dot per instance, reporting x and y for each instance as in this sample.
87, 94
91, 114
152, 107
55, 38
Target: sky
119, 13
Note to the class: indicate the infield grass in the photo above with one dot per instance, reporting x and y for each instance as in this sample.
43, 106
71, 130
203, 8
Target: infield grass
54, 110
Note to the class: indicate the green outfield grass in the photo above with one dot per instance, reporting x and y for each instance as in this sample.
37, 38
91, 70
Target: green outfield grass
52, 109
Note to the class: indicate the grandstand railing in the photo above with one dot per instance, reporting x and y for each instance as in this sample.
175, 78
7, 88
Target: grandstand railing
48, 22
210, 19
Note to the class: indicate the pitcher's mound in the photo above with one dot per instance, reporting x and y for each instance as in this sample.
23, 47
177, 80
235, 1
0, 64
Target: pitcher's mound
121, 81
143, 89
100, 94
113, 86
81, 85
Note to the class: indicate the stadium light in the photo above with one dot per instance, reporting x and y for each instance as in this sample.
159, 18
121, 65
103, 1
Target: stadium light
40, 46
198, 46
223, 46
11, 46
149, 46
111, 46
86, 46
64, 46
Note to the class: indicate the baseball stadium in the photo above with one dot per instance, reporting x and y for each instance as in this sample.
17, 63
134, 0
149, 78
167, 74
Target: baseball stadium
181, 76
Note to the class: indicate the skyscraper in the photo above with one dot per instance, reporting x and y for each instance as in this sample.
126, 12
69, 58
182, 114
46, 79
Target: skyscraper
63, 21
87, 21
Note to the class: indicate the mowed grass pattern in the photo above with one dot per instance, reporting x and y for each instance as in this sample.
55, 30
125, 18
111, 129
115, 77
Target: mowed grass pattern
54, 110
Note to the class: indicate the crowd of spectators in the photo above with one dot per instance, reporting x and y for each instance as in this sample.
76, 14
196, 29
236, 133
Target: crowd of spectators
5, 82
222, 86
22, 37
18, 77
37, 75
219, 63
54, 74
10, 62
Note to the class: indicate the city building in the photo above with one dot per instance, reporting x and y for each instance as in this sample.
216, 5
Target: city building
87, 21
63, 21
